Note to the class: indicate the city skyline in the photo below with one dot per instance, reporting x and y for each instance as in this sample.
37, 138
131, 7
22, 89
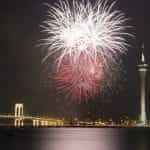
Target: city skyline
20, 119
25, 80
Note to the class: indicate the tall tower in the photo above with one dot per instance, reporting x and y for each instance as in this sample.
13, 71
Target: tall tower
142, 69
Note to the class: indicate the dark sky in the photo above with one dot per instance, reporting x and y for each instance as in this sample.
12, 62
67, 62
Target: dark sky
23, 79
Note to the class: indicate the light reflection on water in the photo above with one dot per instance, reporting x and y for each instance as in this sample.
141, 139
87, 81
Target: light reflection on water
75, 139
82, 139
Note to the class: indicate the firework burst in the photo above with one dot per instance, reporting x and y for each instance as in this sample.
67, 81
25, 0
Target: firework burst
79, 81
86, 39
96, 30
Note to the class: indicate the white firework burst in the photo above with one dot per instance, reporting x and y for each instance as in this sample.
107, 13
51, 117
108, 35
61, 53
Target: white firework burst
97, 30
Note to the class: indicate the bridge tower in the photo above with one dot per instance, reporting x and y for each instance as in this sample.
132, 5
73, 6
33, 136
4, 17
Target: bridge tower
18, 115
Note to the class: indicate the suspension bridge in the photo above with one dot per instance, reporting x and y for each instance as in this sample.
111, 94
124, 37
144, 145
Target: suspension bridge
19, 119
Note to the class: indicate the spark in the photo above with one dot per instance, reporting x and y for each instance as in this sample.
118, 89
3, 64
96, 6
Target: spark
97, 30
82, 81
86, 41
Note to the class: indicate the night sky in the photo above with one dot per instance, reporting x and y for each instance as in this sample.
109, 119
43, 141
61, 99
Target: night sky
24, 79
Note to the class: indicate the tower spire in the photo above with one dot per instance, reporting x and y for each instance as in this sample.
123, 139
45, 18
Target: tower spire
143, 56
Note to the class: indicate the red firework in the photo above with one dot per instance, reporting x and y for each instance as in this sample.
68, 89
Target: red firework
79, 80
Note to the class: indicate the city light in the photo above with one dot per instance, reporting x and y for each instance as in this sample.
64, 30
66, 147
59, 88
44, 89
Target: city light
22, 120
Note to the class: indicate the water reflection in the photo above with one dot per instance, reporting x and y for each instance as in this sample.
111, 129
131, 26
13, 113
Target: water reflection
82, 139
75, 139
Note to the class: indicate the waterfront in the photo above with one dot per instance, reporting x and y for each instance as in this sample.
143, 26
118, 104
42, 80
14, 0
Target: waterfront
74, 138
